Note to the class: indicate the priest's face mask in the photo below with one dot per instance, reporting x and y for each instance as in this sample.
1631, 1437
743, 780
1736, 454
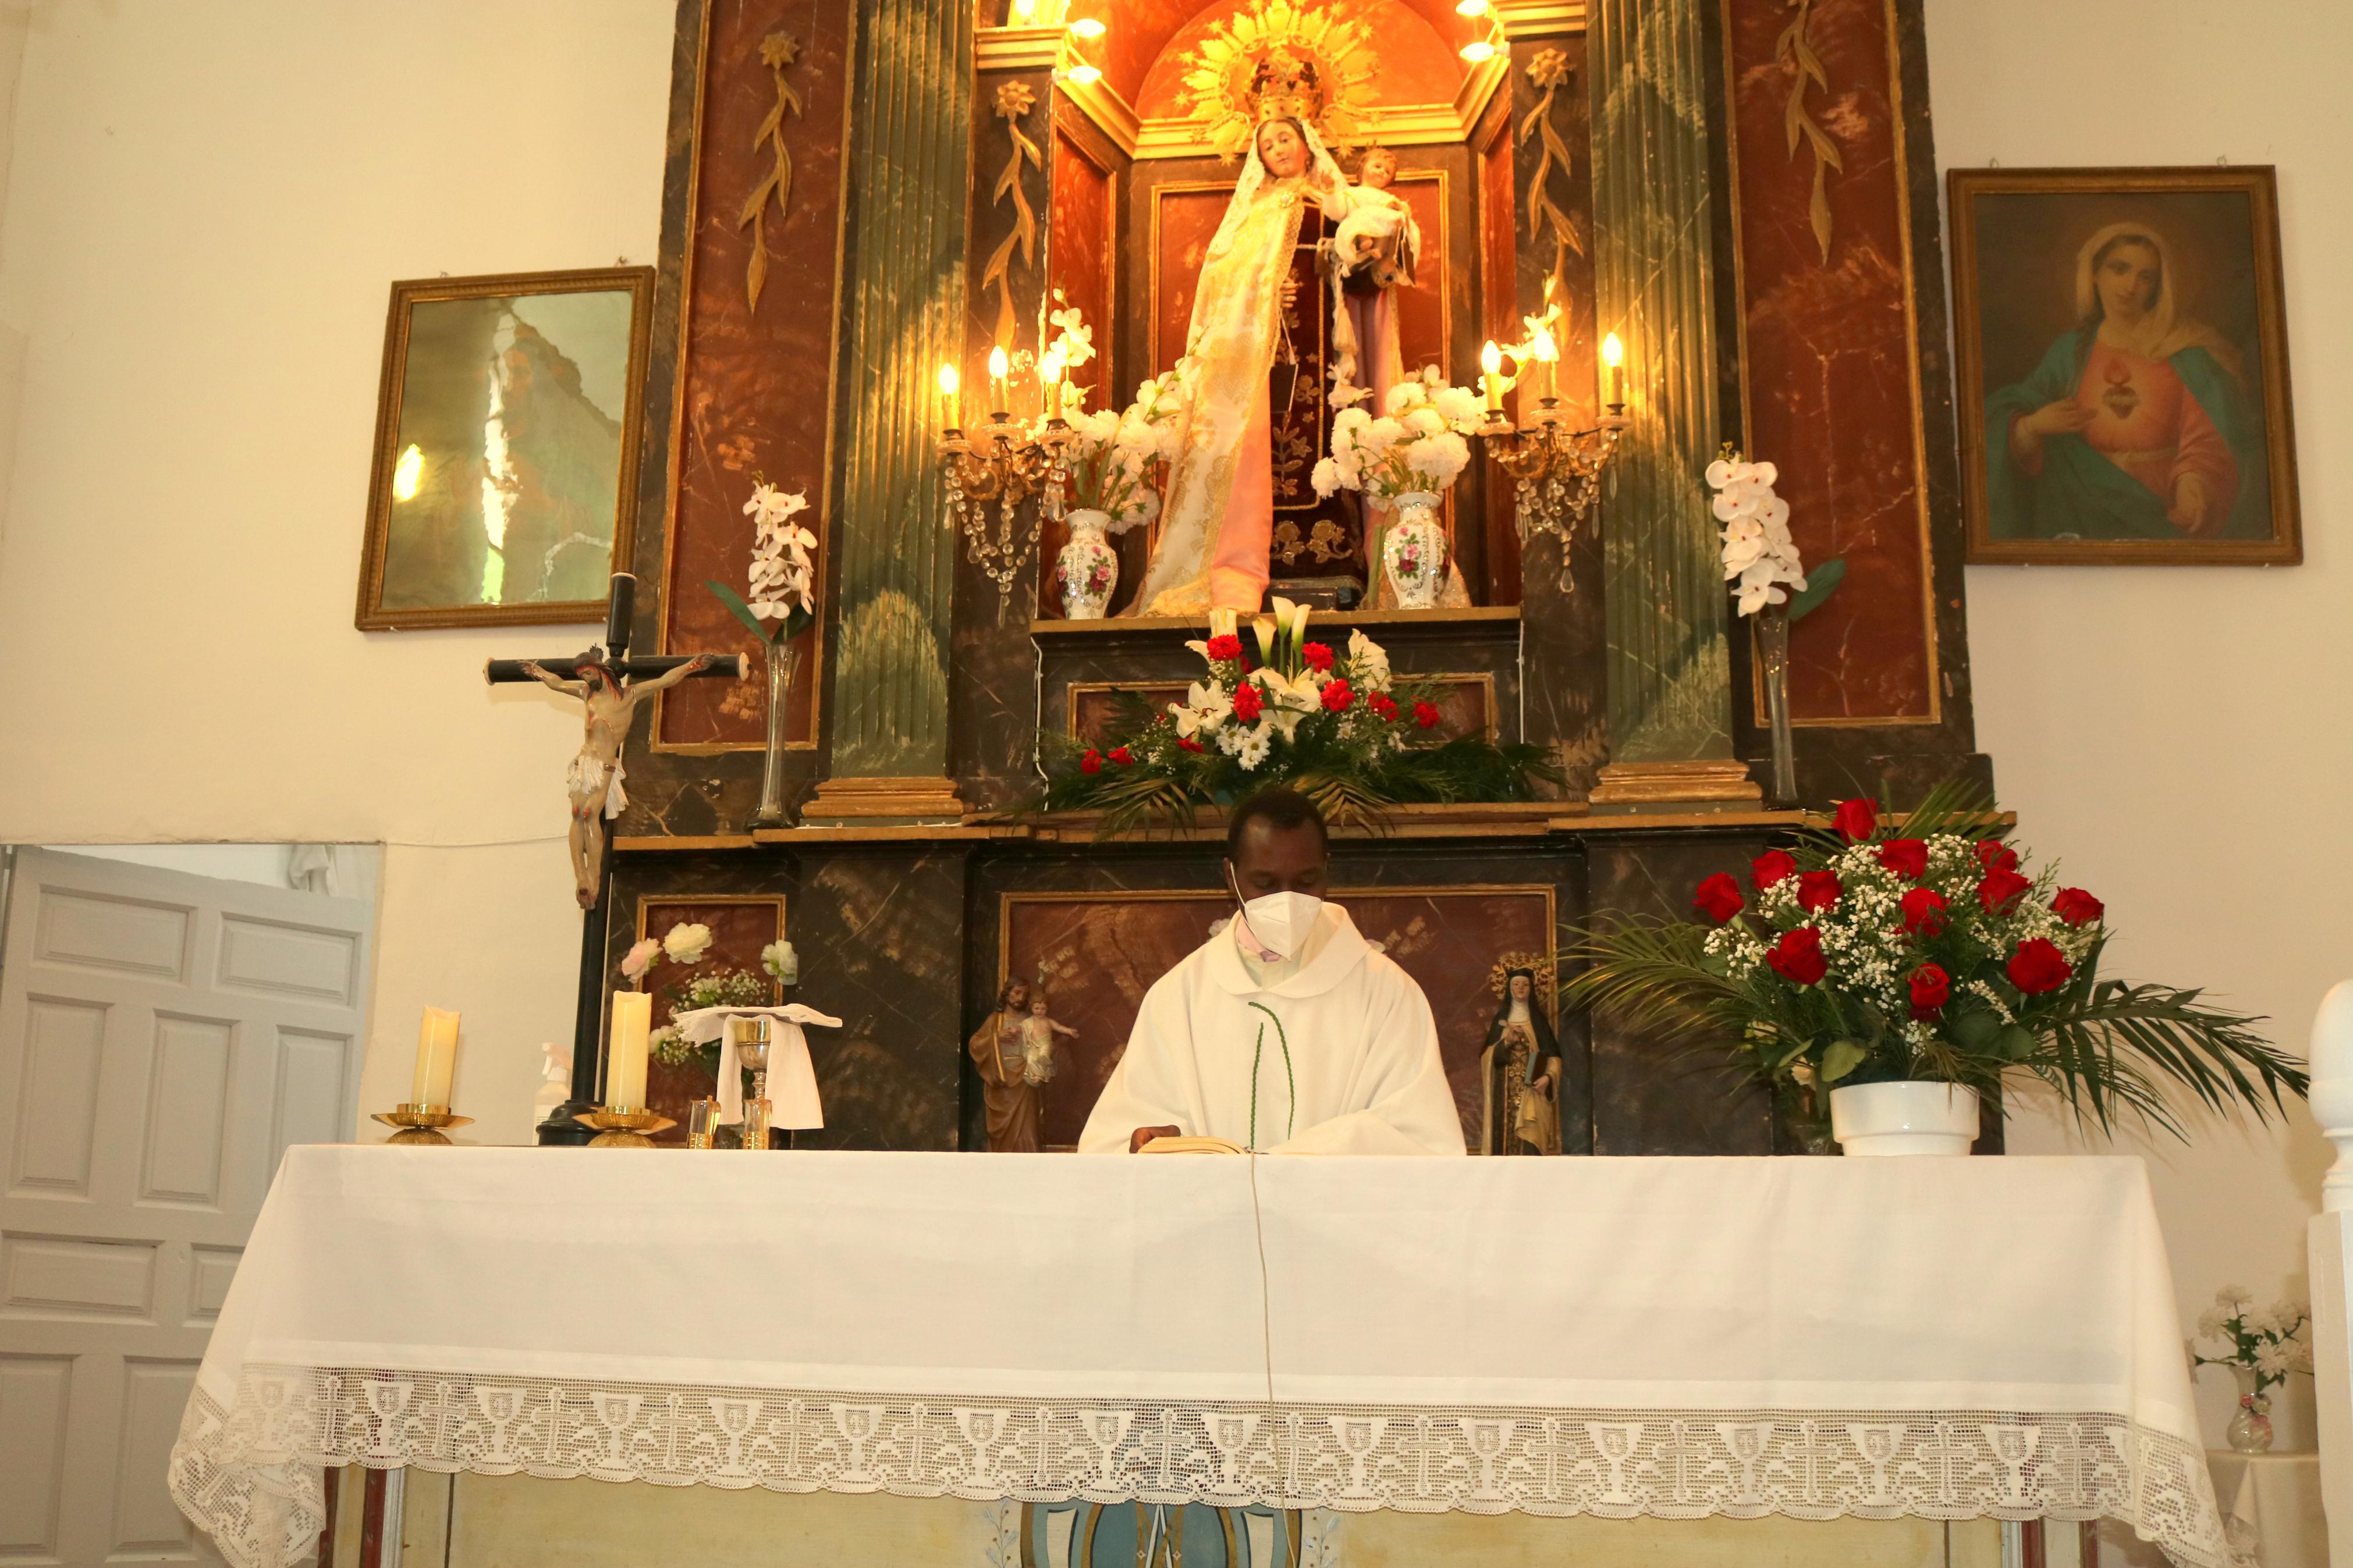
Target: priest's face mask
1278, 876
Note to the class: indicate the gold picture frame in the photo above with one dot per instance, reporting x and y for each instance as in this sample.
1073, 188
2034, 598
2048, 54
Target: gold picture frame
504, 489
2188, 456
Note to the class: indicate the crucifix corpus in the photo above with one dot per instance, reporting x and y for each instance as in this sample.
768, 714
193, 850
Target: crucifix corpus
609, 684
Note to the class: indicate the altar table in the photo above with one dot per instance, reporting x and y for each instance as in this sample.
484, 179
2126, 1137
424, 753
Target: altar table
1943, 1338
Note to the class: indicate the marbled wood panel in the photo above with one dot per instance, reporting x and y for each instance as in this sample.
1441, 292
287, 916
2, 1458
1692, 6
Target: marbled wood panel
1567, 641
1500, 317
1651, 1098
1082, 253
1466, 706
1827, 345
1159, 656
740, 928
1100, 930
878, 930
992, 669
753, 392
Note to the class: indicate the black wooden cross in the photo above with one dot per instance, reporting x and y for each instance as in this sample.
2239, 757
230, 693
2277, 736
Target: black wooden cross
612, 661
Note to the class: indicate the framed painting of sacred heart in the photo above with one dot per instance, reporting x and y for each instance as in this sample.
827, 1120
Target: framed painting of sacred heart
2123, 356
506, 448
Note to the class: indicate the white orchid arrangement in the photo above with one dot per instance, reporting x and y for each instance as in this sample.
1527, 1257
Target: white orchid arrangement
2265, 1340
1758, 553
783, 580
1417, 445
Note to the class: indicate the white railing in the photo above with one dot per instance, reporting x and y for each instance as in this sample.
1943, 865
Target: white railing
2332, 1264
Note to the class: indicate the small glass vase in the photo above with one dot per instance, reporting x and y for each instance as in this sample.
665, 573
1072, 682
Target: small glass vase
784, 659
2250, 1431
1773, 664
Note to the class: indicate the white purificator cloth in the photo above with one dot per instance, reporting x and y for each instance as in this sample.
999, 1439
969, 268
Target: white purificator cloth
1944, 1337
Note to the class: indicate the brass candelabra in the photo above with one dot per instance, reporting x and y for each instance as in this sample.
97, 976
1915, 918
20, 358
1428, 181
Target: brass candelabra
998, 467
1556, 471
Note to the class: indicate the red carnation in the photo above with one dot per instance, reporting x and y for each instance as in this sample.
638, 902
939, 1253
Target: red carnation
1931, 989
1315, 656
1798, 956
1091, 763
1186, 743
1229, 647
1770, 867
1856, 820
2078, 908
1995, 855
1905, 857
1247, 703
2038, 966
1336, 694
1121, 756
1816, 890
1718, 899
1381, 704
2000, 889
1425, 715
1926, 913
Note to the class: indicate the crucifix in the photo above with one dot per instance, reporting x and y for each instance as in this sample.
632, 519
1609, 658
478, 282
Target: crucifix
610, 684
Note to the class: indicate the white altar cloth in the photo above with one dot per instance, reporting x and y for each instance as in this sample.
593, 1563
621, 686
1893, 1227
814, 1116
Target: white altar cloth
1671, 1337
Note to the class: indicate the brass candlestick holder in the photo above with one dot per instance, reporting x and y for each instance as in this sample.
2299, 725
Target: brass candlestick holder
421, 1125
623, 1126
1556, 471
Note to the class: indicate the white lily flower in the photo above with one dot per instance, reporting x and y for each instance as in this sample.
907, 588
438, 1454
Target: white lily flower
1369, 658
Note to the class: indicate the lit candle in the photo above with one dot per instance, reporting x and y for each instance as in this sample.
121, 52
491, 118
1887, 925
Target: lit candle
625, 1055
1491, 376
1547, 353
999, 367
1087, 27
1613, 355
1049, 384
949, 383
437, 1058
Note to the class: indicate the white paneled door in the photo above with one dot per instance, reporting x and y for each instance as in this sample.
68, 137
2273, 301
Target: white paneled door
163, 1038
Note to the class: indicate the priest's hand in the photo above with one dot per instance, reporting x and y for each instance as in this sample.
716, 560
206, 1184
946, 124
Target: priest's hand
1143, 1135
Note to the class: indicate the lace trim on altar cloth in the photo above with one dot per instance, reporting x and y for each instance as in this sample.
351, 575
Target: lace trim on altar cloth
250, 1474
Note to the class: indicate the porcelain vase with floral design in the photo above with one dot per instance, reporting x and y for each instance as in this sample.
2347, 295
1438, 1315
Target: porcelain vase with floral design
1413, 551
2250, 1431
1088, 568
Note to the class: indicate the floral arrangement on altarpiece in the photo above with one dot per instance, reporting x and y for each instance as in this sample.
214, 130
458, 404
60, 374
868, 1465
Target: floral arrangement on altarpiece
1916, 948
783, 589
1771, 585
1343, 728
684, 945
2262, 1346
1406, 457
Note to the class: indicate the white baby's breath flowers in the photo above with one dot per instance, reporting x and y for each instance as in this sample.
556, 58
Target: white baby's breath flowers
1758, 553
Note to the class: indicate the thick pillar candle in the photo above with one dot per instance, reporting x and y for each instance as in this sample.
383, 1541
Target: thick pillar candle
437, 1058
625, 1055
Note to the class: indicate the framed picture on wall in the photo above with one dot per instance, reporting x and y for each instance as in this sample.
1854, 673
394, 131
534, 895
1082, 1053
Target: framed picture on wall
2122, 355
506, 448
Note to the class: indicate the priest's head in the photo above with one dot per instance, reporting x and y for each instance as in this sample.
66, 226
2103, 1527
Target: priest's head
1276, 842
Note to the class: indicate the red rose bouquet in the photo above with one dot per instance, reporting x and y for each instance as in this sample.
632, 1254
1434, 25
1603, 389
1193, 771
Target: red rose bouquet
1920, 950
1339, 726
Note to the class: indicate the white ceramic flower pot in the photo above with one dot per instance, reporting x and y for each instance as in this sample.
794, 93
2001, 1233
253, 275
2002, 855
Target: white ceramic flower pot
1876, 1118
1087, 570
1413, 551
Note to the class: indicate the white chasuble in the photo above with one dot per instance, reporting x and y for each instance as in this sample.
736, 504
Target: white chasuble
1363, 1076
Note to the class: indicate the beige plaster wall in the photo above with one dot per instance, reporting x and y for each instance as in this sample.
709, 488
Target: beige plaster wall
205, 207
2180, 737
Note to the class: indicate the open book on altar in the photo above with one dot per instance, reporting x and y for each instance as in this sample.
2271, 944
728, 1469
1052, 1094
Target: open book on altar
1188, 1145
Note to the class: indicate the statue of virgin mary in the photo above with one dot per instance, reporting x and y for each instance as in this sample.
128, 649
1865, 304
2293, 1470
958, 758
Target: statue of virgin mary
1218, 518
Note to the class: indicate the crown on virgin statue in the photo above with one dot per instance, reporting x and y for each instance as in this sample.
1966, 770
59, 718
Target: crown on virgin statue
1285, 86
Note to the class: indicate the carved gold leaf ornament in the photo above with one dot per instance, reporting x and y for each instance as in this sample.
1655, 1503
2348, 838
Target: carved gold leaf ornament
778, 51
1791, 50
1539, 964
1014, 102
1282, 56
1550, 71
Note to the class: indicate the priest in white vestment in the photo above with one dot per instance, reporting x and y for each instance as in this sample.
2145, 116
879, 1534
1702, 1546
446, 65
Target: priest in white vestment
1286, 1032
